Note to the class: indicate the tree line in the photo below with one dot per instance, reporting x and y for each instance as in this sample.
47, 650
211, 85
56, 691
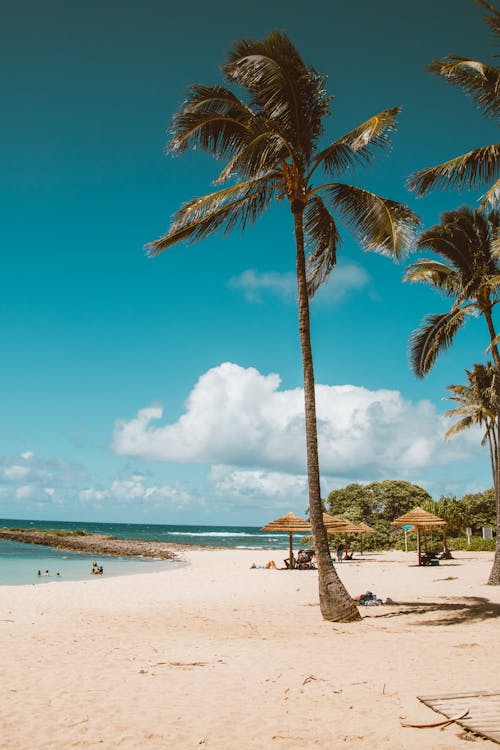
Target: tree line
380, 503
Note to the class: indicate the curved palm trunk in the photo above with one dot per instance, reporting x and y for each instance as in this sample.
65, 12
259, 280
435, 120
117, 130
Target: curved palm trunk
335, 603
494, 578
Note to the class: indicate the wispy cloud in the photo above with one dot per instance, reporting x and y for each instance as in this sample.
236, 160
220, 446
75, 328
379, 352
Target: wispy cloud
257, 286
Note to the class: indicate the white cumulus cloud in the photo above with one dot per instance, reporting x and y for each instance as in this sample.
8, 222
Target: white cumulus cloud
236, 416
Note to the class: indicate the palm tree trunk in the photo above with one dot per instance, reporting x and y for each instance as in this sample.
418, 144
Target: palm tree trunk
335, 603
494, 579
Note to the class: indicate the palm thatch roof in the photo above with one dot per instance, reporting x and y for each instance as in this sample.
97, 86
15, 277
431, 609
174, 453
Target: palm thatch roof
335, 525
365, 529
419, 518
287, 524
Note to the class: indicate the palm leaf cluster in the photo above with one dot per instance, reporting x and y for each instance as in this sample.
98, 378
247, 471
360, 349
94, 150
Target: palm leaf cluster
481, 166
270, 143
466, 270
479, 404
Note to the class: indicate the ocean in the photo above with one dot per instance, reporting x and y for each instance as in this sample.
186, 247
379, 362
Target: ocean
19, 563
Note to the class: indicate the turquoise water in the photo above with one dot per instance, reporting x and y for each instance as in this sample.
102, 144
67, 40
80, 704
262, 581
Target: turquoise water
19, 562
248, 537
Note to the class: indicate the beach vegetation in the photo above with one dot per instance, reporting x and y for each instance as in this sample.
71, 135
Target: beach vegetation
479, 167
371, 504
271, 142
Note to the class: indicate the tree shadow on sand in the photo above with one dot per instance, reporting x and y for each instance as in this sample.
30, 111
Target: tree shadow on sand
450, 612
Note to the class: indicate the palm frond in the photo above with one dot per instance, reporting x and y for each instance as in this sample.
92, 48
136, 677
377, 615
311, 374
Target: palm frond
491, 198
281, 85
459, 426
322, 240
386, 226
435, 335
212, 119
471, 170
435, 273
200, 217
358, 146
493, 21
493, 343
479, 80
262, 150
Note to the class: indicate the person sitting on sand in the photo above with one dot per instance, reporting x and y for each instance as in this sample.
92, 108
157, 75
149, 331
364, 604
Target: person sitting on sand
293, 561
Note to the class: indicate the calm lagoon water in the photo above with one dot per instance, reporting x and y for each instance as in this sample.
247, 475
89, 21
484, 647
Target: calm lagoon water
19, 562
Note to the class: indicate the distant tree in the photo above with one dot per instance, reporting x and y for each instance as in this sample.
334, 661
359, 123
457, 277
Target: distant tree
394, 497
376, 501
352, 503
270, 140
479, 509
481, 166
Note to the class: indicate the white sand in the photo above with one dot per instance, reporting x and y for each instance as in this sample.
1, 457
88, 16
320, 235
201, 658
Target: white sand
217, 655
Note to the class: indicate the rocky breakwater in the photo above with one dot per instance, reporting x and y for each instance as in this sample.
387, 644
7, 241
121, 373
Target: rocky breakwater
93, 544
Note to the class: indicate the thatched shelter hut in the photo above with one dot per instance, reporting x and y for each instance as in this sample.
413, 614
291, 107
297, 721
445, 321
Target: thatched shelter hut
288, 525
422, 522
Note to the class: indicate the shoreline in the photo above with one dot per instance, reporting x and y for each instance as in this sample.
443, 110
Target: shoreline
95, 544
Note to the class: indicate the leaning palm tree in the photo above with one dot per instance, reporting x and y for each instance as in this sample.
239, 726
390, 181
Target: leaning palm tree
481, 166
270, 142
468, 272
479, 405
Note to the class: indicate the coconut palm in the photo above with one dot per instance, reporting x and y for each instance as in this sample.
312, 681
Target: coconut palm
481, 166
469, 273
479, 405
270, 142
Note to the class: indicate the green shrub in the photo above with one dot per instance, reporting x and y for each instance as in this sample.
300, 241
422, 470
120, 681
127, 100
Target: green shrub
477, 544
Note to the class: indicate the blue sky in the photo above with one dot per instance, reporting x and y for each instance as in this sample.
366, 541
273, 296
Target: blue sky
168, 390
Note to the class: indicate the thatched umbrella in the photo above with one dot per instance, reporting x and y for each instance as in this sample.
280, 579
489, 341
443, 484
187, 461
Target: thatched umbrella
288, 524
423, 522
335, 525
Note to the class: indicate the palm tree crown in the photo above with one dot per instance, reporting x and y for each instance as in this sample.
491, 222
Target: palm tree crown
481, 166
468, 272
478, 404
270, 142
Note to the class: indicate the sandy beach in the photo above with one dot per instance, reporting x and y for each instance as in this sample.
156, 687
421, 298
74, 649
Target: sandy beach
218, 655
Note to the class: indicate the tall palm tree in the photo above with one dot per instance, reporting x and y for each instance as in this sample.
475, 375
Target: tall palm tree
270, 141
469, 273
481, 166
479, 405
